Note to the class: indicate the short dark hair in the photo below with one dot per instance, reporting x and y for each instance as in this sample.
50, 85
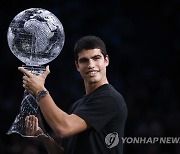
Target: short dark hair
89, 42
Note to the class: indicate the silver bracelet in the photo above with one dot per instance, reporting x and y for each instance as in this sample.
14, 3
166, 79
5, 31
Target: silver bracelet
40, 94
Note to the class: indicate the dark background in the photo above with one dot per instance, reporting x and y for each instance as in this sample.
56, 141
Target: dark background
143, 42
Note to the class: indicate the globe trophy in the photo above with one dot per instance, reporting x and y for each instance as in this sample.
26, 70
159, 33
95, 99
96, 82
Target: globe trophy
36, 37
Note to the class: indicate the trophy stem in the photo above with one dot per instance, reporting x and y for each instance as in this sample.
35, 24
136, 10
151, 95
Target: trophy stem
29, 106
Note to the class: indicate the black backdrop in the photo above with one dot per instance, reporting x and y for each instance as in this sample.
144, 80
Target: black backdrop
143, 42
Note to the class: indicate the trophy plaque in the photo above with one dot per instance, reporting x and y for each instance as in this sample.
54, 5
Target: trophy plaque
36, 37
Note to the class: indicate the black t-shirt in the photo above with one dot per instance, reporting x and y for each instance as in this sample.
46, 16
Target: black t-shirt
105, 111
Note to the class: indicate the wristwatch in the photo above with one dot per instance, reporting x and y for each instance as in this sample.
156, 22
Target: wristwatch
40, 94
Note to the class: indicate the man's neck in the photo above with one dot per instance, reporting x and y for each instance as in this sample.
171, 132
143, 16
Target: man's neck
90, 87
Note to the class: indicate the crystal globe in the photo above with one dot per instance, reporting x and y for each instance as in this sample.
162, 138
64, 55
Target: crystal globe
35, 36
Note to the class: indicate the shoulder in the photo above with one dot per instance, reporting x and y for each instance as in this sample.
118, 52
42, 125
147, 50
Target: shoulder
108, 91
110, 97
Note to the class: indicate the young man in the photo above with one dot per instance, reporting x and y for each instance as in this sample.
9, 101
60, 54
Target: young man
95, 123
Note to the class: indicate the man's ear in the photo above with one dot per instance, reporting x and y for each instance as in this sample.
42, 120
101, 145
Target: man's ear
77, 66
106, 58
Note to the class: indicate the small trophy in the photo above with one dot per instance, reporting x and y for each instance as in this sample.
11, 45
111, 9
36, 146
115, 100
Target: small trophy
36, 37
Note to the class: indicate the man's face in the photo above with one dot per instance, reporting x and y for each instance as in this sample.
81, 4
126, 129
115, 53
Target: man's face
92, 66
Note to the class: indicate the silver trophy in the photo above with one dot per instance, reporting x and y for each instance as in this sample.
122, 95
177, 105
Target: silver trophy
36, 37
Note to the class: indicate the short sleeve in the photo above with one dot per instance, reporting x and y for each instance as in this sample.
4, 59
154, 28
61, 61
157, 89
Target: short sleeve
98, 111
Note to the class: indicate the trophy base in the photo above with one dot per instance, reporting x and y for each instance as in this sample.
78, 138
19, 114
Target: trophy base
28, 106
38, 70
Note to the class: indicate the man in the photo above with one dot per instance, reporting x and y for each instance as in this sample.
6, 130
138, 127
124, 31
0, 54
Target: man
95, 123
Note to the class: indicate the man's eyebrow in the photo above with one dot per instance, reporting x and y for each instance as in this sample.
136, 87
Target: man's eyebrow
94, 56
